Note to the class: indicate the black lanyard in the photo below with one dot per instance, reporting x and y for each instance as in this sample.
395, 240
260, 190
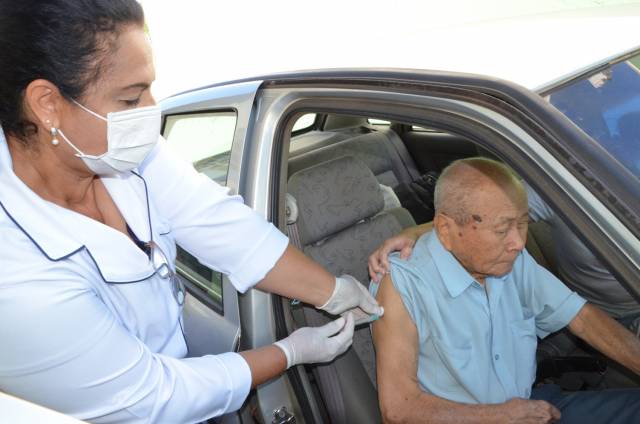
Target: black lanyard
142, 245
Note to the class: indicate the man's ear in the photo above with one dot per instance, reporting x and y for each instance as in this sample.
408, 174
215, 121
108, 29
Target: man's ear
445, 230
43, 102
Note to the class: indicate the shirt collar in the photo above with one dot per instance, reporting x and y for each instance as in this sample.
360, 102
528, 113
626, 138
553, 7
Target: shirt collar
456, 279
59, 233
453, 274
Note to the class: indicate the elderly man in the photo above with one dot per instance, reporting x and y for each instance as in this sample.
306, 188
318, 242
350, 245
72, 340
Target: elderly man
578, 268
458, 338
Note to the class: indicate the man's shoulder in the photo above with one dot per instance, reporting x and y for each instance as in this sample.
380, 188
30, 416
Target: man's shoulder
418, 267
420, 255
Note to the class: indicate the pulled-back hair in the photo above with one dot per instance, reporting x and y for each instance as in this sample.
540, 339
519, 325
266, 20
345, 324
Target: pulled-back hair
66, 42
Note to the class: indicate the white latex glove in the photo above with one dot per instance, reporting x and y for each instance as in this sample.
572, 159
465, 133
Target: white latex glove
349, 294
308, 345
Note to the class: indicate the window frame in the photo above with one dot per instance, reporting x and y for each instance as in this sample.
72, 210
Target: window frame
190, 276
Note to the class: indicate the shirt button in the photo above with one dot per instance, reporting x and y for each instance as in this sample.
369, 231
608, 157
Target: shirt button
497, 356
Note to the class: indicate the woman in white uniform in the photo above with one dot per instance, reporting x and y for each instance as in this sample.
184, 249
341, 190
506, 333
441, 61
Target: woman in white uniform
91, 207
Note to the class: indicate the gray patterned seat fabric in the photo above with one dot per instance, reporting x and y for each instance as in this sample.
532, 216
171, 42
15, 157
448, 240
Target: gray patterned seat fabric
382, 151
340, 222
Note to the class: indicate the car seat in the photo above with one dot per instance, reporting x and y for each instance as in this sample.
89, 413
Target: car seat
340, 222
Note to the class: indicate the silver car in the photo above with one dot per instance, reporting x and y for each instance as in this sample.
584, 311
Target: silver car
291, 143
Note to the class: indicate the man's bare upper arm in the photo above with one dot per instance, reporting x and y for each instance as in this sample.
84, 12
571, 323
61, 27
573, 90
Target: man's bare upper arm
396, 340
401, 399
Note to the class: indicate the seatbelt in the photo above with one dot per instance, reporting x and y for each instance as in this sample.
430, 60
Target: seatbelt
401, 150
291, 211
327, 377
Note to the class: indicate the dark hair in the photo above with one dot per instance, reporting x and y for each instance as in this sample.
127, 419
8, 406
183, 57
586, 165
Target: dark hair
65, 42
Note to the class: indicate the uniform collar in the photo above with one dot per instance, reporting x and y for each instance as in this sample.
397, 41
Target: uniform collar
59, 233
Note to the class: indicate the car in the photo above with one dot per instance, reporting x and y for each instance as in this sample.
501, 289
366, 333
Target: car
18, 411
314, 152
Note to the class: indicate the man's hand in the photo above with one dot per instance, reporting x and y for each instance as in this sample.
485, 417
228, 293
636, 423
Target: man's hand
379, 262
522, 411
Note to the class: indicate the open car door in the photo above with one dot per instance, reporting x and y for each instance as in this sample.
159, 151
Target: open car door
597, 196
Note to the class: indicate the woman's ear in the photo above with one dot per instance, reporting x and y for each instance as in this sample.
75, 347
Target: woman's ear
445, 229
42, 101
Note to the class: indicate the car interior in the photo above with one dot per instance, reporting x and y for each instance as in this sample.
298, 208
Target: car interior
352, 182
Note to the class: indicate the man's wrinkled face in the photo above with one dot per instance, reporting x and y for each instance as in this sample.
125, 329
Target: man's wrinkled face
492, 235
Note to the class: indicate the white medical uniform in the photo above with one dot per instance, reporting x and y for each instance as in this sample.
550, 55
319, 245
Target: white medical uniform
88, 328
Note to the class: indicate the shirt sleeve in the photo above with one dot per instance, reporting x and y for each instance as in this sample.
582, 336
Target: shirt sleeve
218, 229
406, 279
546, 297
93, 369
538, 208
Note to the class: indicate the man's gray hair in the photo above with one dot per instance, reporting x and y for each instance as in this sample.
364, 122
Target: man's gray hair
456, 185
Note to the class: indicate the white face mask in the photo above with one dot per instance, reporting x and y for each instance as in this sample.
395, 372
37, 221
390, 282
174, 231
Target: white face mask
131, 135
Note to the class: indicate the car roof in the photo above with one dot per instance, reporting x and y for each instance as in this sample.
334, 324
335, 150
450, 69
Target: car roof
381, 74
531, 50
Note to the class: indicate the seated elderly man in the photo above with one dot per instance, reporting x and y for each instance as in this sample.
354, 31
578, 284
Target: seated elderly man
458, 339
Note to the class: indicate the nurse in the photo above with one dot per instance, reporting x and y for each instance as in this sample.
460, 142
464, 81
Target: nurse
91, 206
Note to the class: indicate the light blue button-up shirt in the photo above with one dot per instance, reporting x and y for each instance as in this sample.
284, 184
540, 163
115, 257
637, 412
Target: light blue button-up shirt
478, 343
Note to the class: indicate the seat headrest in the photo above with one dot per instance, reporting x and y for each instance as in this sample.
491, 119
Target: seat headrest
334, 195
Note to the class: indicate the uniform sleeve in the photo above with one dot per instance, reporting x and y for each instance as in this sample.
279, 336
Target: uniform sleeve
218, 229
93, 369
538, 208
546, 297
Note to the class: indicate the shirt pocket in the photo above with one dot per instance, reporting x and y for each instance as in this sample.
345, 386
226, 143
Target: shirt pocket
524, 347
454, 369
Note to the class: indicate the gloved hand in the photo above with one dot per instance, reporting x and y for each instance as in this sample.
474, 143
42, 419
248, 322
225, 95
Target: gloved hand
349, 294
316, 344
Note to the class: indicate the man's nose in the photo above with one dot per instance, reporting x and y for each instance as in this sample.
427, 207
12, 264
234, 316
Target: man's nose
517, 240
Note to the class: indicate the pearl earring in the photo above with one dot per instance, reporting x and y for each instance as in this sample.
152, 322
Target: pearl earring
54, 136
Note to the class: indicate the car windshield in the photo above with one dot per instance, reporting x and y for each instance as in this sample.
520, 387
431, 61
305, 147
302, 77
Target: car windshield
606, 105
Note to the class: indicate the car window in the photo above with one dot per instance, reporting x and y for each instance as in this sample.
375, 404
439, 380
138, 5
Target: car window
378, 122
606, 105
305, 122
418, 128
204, 139
206, 284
